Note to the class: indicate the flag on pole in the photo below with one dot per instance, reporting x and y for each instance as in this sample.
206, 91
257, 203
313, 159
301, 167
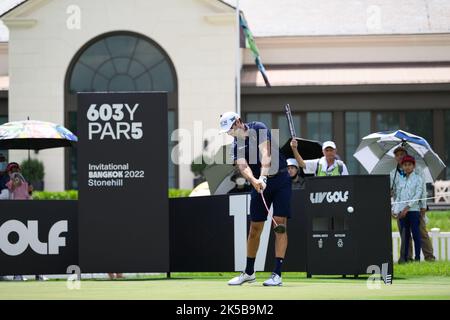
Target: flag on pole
251, 44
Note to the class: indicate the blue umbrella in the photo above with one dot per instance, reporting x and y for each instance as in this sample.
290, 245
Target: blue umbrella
376, 153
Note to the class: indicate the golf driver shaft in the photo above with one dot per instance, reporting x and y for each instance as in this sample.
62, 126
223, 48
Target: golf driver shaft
268, 211
287, 109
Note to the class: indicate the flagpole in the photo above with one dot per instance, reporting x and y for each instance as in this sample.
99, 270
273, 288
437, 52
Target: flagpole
238, 61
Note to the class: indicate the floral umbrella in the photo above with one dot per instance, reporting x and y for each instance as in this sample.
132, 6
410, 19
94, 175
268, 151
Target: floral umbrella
35, 135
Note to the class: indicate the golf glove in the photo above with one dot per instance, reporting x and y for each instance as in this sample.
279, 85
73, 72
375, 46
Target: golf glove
263, 182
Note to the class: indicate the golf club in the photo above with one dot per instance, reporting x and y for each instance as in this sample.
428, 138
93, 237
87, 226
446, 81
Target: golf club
279, 228
287, 109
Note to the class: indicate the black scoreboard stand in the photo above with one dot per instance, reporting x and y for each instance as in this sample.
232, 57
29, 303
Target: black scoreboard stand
348, 226
122, 175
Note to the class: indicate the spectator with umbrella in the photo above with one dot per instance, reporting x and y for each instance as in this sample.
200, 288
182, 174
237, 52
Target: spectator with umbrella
408, 191
4, 178
36, 135
426, 245
376, 153
19, 190
382, 152
17, 185
4, 193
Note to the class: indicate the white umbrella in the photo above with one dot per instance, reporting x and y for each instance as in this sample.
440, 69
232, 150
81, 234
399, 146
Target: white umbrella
376, 153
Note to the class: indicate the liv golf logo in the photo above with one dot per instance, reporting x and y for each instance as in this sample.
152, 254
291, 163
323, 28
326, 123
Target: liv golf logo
28, 236
330, 197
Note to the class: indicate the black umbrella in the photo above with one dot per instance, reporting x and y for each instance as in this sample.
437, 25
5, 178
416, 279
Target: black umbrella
308, 149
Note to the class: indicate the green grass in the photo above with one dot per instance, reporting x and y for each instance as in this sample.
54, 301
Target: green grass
412, 281
419, 269
413, 269
437, 219
210, 289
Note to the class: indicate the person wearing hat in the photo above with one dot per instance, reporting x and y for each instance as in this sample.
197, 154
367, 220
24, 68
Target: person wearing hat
426, 244
4, 178
298, 181
14, 186
19, 190
407, 191
328, 165
395, 176
398, 172
259, 161
17, 185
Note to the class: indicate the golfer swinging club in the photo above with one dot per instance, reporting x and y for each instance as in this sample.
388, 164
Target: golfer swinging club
251, 151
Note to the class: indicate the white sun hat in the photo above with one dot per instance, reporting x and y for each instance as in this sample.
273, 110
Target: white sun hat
292, 162
328, 144
227, 120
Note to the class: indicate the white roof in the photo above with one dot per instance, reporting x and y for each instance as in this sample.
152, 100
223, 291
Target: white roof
4, 32
345, 75
5, 6
271, 18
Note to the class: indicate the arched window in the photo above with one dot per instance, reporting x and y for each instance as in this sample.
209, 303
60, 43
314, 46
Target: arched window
119, 62
122, 63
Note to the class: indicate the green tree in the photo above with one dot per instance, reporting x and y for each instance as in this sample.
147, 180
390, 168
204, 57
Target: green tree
33, 172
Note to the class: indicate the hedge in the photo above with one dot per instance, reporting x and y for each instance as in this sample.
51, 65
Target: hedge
60, 195
73, 194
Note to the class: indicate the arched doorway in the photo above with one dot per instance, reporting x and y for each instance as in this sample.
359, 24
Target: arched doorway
119, 61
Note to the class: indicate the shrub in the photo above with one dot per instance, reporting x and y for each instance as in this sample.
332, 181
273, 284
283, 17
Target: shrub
179, 193
33, 170
60, 195
73, 194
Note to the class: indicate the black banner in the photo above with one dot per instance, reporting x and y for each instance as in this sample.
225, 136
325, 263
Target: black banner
349, 225
122, 174
209, 234
201, 234
338, 226
38, 237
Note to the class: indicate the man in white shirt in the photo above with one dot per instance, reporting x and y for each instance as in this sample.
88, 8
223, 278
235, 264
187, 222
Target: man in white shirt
328, 165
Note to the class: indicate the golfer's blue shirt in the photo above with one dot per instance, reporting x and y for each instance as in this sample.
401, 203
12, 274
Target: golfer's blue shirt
407, 190
248, 149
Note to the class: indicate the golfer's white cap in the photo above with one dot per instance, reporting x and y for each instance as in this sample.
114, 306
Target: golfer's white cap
227, 120
292, 162
328, 144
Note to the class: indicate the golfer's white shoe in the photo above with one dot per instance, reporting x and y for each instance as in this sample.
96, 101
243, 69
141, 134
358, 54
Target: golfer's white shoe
242, 278
274, 280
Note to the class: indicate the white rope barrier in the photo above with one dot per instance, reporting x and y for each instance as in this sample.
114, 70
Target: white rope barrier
406, 201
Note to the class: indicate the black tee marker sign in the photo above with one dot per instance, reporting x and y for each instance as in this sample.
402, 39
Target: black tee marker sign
122, 174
